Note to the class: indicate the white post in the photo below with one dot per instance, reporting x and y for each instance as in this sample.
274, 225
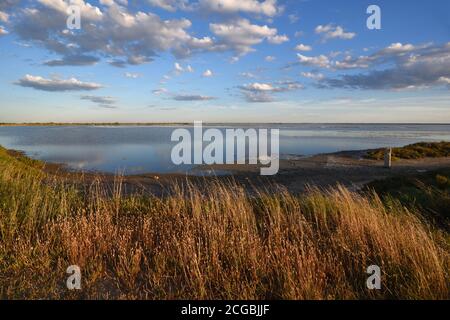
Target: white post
388, 158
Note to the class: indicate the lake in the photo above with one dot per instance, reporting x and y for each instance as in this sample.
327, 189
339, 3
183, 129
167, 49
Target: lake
145, 149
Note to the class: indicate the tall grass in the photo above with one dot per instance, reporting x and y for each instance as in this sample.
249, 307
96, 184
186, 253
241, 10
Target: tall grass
218, 243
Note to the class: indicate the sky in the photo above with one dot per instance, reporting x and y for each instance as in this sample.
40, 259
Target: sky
224, 61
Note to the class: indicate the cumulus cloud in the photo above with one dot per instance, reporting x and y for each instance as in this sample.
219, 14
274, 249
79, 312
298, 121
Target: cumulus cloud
256, 86
330, 31
424, 66
171, 5
278, 39
266, 7
303, 47
101, 101
258, 92
227, 7
321, 61
240, 35
393, 52
397, 47
111, 31
263, 92
56, 84
269, 58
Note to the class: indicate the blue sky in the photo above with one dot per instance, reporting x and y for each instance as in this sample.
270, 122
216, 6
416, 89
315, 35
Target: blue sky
225, 61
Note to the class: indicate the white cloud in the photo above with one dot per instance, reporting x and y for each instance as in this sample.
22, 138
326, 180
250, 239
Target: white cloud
234, 59
240, 35
3, 31
227, 7
394, 51
311, 75
208, 73
110, 31
247, 75
444, 80
56, 84
130, 38
263, 92
132, 75
180, 69
4, 17
88, 11
278, 39
423, 67
270, 58
318, 61
171, 5
266, 7
330, 31
256, 86
302, 47
349, 63
398, 48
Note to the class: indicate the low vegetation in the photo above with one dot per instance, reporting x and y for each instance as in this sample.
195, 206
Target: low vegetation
215, 244
428, 192
414, 151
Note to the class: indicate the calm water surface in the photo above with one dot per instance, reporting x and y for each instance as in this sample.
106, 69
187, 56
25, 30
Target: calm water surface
144, 149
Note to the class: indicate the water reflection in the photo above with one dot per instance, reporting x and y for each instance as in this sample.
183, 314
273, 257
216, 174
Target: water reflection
144, 149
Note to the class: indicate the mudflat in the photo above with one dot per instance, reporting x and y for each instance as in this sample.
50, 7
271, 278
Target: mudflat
348, 168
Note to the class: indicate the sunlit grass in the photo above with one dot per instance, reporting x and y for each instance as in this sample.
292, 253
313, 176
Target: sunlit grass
216, 244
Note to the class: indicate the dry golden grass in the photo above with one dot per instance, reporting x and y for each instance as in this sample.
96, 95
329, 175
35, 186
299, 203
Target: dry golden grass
215, 244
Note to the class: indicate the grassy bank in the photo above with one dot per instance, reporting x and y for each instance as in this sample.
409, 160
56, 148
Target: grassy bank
427, 192
219, 243
414, 151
